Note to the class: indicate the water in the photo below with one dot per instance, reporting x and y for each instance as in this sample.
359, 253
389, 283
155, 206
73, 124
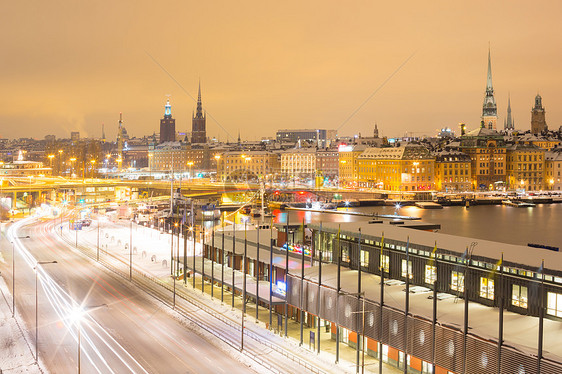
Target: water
540, 224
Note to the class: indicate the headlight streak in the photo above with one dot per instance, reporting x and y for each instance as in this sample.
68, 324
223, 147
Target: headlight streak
64, 306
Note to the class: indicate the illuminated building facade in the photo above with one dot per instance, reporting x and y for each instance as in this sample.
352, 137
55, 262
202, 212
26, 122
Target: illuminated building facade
525, 167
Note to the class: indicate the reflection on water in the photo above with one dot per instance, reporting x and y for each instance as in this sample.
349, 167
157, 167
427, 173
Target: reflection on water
498, 223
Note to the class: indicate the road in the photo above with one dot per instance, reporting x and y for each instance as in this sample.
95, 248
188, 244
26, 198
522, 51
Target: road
127, 332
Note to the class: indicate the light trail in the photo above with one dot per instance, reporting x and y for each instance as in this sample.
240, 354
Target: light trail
64, 306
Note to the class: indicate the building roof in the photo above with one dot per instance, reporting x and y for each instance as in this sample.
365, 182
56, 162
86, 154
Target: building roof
404, 152
492, 251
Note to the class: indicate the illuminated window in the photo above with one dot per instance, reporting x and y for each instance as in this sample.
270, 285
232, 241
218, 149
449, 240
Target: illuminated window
430, 274
519, 296
385, 263
487, 288
554, 304
407, 270
457, 281
364, 258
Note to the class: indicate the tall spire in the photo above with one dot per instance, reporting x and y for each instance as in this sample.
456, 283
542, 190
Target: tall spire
103, 132
199, 112
489, 86
489, 108
509, 125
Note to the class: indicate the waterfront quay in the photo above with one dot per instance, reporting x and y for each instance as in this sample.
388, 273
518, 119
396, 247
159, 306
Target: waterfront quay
472, 306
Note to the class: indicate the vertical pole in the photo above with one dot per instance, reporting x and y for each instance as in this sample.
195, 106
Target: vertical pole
184, 255
76, 232
319, 290
98, 247
233, 255
434, 324
174, 277
270, 272
36, 315
13, 279
258, 272
363, 338
500, 322
319, 283
465, 329
541, 318
172, 247
338, 288
301, 301
222, 263
359, 335
287, 277
407, 306
131, 251
79, 339
213, 251
244, 282
194, 245
203, 258
381, 303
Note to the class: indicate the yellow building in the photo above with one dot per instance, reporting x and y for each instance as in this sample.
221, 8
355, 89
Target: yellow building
404, 168
553, 170
487, 150
525, 167
539, 141
348, 156
453, 172
239, 165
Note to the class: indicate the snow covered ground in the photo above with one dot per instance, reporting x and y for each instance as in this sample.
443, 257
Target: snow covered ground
15, 352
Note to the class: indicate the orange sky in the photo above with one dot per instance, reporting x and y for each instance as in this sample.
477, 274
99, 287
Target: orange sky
71, 66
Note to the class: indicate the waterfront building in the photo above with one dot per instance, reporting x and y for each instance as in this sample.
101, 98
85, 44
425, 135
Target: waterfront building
553, 169
246, 165
452, 171
168, 156
298, 163
24, 168
315, 137
525, 167
487, 151
199, 123
200, 155
167, 125
348, 156
327, 162
489, 108
538, 120
409, 167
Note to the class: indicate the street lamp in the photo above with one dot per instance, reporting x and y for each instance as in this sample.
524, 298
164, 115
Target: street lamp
37, 306
93, 163
14, 275
77, 316
72, 159
190, 164
51, 161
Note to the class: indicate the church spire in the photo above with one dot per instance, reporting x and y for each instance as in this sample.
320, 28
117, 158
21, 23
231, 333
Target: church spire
489, 108
489, 86
199, 111
509, 122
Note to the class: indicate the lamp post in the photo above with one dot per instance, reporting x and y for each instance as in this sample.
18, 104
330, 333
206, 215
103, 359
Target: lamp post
190, 164
51, 161
37, 306
14, 275
60, 161
72, 159
93, 162
79, 313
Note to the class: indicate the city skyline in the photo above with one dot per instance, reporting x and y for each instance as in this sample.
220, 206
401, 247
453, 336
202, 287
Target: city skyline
274, 67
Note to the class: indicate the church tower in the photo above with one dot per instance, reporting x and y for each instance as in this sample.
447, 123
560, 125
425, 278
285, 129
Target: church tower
199, 123
489, 109
508, 123
538, 120
167, 125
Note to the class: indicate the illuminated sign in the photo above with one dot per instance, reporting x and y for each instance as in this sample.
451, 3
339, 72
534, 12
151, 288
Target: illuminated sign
345, 148
281, 288
297, 248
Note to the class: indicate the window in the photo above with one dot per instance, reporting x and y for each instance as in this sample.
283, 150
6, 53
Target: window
487, 288
364, 258
554, 304
384, 263
457, 281
519, 296
407, 270
430, 274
